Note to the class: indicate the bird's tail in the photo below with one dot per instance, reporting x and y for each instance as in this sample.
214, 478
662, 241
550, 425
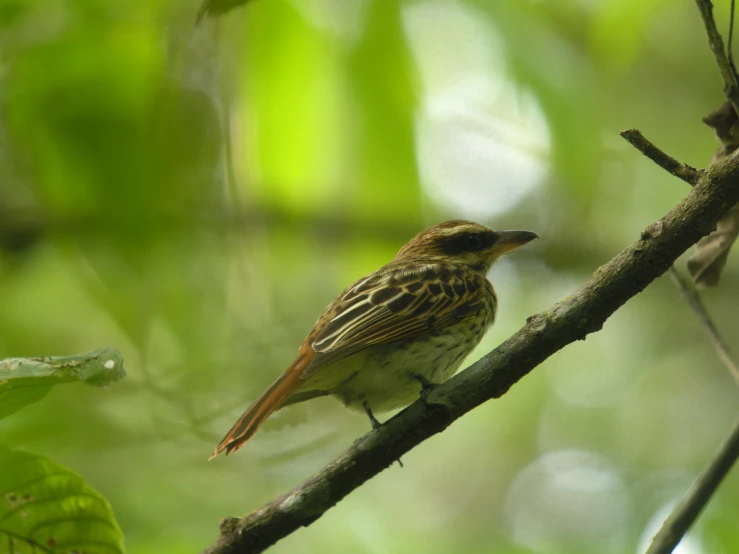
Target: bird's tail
269, 401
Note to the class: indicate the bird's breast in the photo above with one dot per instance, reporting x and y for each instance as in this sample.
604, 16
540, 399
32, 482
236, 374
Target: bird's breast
385, 380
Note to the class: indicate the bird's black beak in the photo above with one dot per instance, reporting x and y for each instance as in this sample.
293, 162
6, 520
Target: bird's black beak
510, 240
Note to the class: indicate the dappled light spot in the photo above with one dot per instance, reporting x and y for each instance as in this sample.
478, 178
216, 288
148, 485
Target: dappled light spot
568, 499
482, 144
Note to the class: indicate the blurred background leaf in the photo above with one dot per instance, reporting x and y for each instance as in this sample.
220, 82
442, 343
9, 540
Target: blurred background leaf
350, 126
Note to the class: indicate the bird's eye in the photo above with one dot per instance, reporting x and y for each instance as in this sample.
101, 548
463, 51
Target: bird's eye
473, 241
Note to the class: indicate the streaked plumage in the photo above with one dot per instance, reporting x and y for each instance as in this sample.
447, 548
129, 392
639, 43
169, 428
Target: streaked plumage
408, 325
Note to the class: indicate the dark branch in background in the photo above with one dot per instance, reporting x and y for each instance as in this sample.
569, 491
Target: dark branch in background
729, 48
697, 497
693, 299
731, 89
212, 8
584, 312
680, 170
712, 252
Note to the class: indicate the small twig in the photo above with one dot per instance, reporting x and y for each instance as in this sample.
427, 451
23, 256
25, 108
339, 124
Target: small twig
693, 299
680, 170
686, 512
731, 89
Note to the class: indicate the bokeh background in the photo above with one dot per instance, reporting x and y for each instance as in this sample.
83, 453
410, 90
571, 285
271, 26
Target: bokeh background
194, 196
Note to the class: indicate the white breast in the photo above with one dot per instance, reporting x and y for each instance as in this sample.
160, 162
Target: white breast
386, 381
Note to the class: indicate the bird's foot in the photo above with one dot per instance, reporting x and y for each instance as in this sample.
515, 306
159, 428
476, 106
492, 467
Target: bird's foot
426, 387
373, 420
375, 423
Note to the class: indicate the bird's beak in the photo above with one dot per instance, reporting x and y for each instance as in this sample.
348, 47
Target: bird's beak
510, 240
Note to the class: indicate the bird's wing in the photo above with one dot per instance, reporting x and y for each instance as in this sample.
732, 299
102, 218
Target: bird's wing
393, 305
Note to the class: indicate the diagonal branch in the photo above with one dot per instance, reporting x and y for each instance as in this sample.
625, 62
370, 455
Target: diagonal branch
693, 299
686, 512
582, 313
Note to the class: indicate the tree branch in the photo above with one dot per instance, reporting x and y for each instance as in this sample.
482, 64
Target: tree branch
683, 516
580, 314
731, 89
680, 170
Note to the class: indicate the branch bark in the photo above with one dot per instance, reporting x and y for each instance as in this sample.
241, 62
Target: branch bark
572, 319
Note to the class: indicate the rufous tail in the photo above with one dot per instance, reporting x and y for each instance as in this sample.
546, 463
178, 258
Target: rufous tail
269, 401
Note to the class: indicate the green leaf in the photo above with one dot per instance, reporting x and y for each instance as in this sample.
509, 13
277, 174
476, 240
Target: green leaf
45, 507
24, 381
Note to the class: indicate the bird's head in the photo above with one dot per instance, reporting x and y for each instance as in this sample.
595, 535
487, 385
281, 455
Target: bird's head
463, 243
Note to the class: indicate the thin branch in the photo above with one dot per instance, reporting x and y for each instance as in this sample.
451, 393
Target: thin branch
731, 89
693, 299
680, 170
729, 48
683, 516
582, 313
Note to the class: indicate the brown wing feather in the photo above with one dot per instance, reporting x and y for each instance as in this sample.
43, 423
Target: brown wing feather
395, 304
269, 401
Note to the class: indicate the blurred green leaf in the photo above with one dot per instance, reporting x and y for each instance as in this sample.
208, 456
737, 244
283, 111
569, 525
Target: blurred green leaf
620, 28
383, 80
294, 83
24, 381
44, 507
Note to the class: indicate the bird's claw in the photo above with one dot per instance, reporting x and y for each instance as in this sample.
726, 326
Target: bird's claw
426, 387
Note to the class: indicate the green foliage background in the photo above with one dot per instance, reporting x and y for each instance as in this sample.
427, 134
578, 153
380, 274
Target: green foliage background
351, 126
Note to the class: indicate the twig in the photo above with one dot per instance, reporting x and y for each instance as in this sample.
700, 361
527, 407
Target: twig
693, 299
731, 36
686, 512
731, 89
582, 313
680, 170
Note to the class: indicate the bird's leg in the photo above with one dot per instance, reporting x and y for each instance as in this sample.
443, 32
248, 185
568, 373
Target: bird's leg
373, 420
426, 386
375, 423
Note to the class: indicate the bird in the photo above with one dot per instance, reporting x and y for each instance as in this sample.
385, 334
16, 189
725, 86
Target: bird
392, 336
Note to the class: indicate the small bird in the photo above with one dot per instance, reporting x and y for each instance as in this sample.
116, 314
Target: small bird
396, 333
